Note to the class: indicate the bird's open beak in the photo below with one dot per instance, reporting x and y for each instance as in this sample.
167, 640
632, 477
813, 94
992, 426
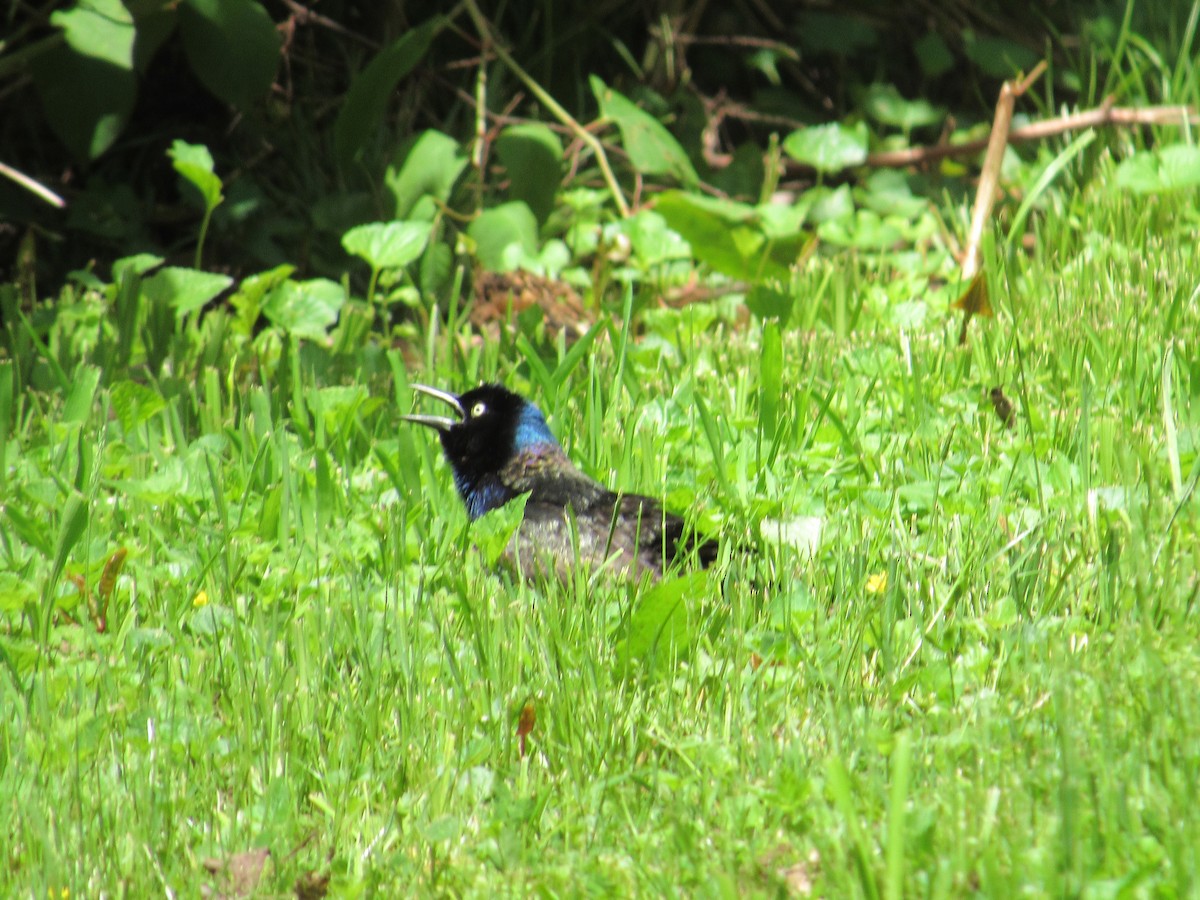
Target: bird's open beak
441, 423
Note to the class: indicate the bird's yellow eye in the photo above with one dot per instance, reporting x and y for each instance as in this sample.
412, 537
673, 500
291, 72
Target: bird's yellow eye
478, 410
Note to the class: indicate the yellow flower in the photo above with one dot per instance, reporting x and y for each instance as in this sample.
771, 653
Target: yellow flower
201, 599
877, 583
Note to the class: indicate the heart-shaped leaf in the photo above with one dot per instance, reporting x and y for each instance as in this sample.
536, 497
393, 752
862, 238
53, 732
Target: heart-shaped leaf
829, 148
388, 245
194, 164
652, 149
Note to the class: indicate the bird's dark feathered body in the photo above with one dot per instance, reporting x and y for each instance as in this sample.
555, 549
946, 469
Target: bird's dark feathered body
499, 447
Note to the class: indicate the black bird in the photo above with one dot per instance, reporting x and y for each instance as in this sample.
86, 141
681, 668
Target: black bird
499, 447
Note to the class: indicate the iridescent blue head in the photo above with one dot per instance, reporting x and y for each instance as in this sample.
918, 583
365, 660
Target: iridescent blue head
492, 425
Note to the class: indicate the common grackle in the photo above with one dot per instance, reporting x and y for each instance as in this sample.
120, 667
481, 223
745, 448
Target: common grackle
499, 447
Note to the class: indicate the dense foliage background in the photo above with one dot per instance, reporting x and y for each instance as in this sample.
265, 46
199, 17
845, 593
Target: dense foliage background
310, 114
249, 640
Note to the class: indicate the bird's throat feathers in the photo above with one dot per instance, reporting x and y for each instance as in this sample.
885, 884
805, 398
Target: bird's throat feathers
533, 448
482, 495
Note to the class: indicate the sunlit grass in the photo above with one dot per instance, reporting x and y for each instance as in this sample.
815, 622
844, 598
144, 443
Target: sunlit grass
303, 651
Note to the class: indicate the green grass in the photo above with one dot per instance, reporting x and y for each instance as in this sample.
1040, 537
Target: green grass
304, 652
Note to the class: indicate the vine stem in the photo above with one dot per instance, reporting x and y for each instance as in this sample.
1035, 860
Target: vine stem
485, 34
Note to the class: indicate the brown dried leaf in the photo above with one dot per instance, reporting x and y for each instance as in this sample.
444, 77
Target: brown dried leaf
1003, 406
312, 885
525, 723
112, 570
797, 876
498, 293
973, 302
98, 605
239, 874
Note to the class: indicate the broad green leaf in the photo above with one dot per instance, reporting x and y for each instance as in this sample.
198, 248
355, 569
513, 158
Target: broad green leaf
662, 623
887, 191
652, 241
233, 47
167, 483
184, 290
505, 236
730, 211
78, 405
194, 163
15, 592
31, 526
340, 404
652, 149
722, 234
793, 606
829, 148
1161, 170
87, 86
367, 99
135, 403
532, 155
211, 620
1180, 164
426, 171
553, 257
780, 221
437, 264
492, 532
138, 264
886, 104
387, 245
305, 309
865, 230
829, 204
1140, 173
101, 29
251, 293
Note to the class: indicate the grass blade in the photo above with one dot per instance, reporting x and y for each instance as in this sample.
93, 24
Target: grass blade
898, 800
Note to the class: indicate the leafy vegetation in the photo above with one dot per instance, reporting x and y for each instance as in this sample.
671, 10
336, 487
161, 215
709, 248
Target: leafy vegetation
248, 636
312, 121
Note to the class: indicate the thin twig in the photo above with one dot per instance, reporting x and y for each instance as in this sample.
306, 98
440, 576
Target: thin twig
735, 40
302, 15
974, 300
30, 185
989, 178
485, 34
1105, 114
